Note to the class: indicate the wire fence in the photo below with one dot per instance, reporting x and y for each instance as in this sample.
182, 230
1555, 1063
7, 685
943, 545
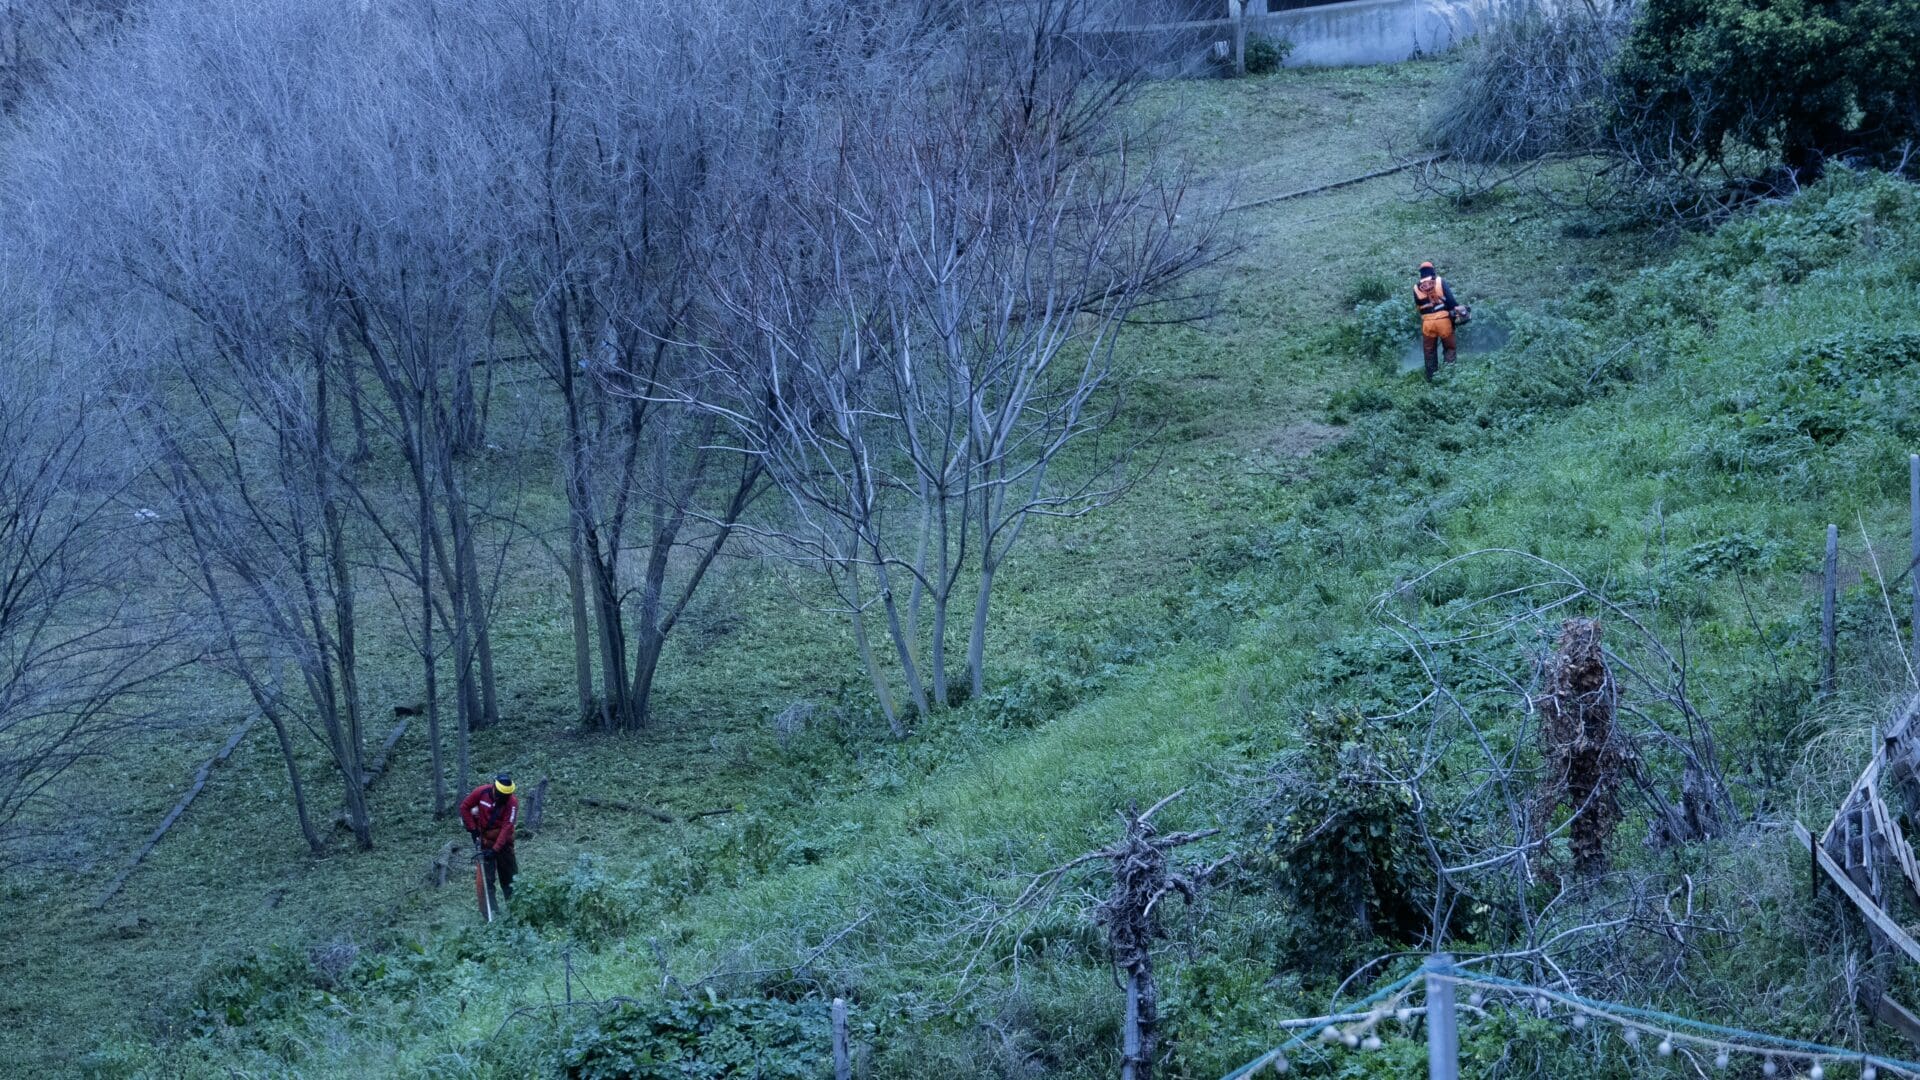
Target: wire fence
1356, 1028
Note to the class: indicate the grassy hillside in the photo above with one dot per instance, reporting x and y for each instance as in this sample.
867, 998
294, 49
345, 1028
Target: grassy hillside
1678, 436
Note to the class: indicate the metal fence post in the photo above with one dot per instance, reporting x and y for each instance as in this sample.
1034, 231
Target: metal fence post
1443, 1038
1827, 645
842, 1057
1913, 557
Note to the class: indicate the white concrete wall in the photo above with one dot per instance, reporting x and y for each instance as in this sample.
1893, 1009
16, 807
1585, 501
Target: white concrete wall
1374, 31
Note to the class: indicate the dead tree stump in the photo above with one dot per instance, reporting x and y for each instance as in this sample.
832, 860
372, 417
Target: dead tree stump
442, 865
1584, 756
1131, 917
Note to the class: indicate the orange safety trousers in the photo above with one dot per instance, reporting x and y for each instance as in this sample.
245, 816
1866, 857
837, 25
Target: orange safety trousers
1436, 330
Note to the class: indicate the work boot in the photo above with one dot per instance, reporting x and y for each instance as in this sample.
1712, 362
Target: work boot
506, 891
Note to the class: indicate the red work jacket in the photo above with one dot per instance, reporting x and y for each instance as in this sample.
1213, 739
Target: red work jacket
491, 814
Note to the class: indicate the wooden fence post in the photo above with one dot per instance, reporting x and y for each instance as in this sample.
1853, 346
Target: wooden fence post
1913, 550
1828, 596
1443, 1038
1238, 10
842, 1056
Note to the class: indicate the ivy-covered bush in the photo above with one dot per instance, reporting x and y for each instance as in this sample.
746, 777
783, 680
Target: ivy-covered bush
704, 1037
1339, 845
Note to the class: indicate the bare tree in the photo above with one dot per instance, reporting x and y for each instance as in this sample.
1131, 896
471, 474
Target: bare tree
221, 351
606, 211
40, 38
76, 643
929, 350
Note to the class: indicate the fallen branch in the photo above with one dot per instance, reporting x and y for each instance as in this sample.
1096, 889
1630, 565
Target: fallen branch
1318, 188
662, 816
791, 971
193, 792
374, 768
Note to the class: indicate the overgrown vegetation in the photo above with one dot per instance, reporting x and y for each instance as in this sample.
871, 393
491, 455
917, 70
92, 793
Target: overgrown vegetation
1593, 460
1657, 449
1686, 109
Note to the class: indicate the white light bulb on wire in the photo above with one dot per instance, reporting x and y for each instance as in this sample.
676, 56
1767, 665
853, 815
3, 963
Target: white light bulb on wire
1403, 1014
1371, 1042
1580, 1020
1279, 1063
1770, 1069
1720, 1059
1329, 1034
1632, 1035
1869, 1073
1350, 1039
1665, 1048
1476, 999
1816, 1073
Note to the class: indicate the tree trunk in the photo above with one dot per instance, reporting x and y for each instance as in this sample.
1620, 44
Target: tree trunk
880, 690
1143, 1016
650, 640
463, 699
1237, 9
314, 843
977, 639
578, 505
582, 633
938, 658
482, 639
357, 816
915, 689
469, 607
362, 449
428, 666
350, 742
613, 639
646, 661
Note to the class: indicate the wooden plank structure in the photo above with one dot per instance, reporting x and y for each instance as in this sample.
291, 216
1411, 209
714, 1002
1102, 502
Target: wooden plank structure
1877, 918
1864, 846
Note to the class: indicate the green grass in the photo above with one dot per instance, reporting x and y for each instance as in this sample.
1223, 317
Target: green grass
1189, 628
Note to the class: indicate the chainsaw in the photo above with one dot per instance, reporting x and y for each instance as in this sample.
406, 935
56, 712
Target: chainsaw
1461, 314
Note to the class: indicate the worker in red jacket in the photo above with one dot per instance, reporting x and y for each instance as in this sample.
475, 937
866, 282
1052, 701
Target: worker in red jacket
489, 812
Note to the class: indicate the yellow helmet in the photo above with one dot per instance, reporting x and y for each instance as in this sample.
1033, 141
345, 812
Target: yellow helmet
503, 784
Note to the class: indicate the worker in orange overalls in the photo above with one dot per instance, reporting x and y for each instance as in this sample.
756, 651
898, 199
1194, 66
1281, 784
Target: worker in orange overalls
1434, 300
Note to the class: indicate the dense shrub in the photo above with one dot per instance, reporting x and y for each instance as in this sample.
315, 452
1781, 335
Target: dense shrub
258, 987
690, 1038
1805, 80
1266, 54
1338, 843
587, 902
1536, 86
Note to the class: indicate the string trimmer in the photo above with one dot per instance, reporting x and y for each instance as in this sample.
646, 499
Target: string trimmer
481, 886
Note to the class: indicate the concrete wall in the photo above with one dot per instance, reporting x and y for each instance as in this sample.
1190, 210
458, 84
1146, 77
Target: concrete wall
1373, 31
1327, 35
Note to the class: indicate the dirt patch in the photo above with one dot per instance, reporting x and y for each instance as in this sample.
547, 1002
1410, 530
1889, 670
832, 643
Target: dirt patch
1303, 437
